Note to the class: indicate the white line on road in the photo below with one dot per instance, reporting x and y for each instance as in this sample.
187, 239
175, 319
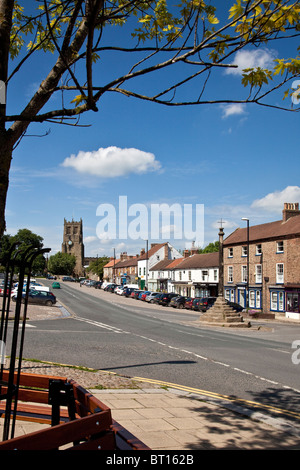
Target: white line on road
119, 331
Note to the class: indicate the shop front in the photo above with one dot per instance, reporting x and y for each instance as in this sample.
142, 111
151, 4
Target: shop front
292, 296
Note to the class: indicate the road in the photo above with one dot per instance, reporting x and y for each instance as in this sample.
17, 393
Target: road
168, 345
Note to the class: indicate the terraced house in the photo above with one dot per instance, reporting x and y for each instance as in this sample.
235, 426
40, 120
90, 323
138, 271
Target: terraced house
262, 265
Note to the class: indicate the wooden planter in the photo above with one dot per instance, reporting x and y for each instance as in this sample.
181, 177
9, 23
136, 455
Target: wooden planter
77, 420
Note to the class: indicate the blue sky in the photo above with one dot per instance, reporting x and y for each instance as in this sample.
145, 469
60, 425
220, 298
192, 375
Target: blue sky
237, 161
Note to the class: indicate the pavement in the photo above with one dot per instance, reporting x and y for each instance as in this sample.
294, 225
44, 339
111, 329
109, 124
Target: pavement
166, 417
178, 420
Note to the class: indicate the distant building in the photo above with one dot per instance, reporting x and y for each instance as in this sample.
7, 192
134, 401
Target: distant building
73, 244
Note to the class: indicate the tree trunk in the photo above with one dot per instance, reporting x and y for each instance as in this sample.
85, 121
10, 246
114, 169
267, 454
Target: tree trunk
5, 161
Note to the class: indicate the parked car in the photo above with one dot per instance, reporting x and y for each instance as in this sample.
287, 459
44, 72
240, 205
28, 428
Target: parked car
119, 290
144, 295
195, 303
38, 297
166, 299
189, 302
109, 287
206, 302
2, 291
68, 278
157, 298
55, 285
98, 284
150, 297
136, 294
178, 302
235, 306
127, 291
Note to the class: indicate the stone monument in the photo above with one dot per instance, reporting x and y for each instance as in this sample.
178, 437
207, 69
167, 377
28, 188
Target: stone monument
221, 313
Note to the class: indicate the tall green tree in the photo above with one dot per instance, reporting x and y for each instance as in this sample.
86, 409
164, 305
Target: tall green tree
96, 266
193, 36
62, 263
25, 238
210, 248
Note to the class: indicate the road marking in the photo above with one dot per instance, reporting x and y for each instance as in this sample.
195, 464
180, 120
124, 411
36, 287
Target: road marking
198, 356
101, 325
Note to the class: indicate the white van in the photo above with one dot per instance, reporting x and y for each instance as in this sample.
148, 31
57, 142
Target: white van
131, 286
40, 288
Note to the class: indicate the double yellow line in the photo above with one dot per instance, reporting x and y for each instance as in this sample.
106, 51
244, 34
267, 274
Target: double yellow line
219, 396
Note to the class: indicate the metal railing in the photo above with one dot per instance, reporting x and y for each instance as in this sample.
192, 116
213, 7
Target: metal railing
20, 258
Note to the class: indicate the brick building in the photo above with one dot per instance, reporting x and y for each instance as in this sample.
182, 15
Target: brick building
271, 253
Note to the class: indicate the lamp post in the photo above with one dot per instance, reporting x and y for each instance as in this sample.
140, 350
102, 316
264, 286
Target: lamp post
146, 283
247, 292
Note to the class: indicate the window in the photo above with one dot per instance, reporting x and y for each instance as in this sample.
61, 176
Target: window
215, 275
254, 298
230, 252
204, 275
258, 250
277, 301
279, 273
180, 275
258, 273
274, 297
279, 247
244, 273
229, 295
230, 274
244, 251
190, 276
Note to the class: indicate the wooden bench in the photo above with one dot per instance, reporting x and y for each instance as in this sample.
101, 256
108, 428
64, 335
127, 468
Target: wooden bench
77, 419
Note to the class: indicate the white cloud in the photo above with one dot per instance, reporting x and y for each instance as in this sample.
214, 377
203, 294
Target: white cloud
248, 59
274, 201
112, 162
233, 109
90, 239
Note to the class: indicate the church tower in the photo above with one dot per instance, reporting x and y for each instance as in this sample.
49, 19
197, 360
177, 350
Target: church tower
73, 243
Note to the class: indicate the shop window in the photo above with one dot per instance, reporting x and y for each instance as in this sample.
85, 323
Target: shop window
292, 302
277, 301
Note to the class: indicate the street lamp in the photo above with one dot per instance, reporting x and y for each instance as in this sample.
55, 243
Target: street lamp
247, 292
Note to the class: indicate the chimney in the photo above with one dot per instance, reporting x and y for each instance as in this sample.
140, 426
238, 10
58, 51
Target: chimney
123, 256
290, 209
166, 251
186, 253
142, 251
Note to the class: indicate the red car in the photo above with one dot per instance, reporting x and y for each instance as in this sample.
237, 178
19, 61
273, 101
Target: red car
188, 303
